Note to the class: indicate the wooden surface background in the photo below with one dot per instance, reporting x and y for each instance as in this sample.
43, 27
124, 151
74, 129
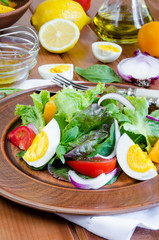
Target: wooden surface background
22, 223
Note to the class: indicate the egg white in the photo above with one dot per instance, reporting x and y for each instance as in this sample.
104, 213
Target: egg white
52, 130
123, 146
107, 56
45, 73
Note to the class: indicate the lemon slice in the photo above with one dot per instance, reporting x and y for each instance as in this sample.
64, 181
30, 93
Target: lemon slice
59, 35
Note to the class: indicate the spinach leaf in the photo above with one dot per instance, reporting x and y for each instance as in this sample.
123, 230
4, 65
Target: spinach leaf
70, 135
99, 73
106, 147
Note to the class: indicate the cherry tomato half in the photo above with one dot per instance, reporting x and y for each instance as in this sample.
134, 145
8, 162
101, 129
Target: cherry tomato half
22, 137
93, 168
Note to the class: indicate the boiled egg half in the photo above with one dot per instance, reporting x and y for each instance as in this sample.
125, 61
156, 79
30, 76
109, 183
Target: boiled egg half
49, 71
44, 145
106, 52
133, 161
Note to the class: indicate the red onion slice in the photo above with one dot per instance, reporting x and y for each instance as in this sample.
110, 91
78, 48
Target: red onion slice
140, 69
117, 136
118, 97
93, 183
32, 126
152, 118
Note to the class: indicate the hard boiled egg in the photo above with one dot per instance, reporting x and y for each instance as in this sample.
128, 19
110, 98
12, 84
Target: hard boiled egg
49, 71
44, 145
133, 161
106, 52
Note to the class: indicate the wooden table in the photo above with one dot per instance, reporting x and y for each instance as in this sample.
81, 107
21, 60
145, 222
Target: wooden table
22, 223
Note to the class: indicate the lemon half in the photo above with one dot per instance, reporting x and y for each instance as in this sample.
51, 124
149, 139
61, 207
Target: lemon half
59, 35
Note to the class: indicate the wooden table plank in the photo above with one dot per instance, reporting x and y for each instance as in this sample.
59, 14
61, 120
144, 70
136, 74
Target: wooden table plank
21, 223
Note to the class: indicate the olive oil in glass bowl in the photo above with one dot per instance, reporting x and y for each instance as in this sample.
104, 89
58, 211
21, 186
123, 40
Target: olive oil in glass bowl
119, 20
19, 47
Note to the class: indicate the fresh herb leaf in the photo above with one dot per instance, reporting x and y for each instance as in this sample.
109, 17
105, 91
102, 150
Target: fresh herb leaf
60, 151
70, 135
96, 73
20, 154
106, 147
5, 2
115, 177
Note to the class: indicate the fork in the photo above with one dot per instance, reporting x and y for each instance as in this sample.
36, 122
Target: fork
152, 96
64, 82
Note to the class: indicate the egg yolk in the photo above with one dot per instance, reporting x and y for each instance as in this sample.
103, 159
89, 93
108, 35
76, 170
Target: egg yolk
60, 68
139, 160
38, 148
110, 48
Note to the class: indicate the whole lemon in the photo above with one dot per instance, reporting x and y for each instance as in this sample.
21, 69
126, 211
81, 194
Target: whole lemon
67, 9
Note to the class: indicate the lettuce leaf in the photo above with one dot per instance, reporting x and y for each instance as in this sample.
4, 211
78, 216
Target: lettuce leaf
34, 114
135, 123
139, 124
86, 130
69, 101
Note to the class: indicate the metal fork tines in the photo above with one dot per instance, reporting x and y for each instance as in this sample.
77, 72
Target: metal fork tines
64, 82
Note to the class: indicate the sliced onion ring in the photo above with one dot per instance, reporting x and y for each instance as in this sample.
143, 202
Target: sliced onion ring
140, 69
117, 136
118, 97
32, 126
152, 118
93, 183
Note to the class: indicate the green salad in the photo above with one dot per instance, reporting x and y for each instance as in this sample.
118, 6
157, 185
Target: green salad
87, 142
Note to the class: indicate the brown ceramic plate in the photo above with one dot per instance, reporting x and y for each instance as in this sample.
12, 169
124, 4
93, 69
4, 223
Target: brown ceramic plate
40, 190
9, 18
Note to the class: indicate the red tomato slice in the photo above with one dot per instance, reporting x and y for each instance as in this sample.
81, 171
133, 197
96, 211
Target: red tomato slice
22, 137
93, 168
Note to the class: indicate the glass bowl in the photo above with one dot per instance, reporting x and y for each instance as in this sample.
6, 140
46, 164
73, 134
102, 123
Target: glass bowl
19, 47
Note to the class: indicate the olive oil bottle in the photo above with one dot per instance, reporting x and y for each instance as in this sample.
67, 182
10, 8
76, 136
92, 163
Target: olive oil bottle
119, 20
